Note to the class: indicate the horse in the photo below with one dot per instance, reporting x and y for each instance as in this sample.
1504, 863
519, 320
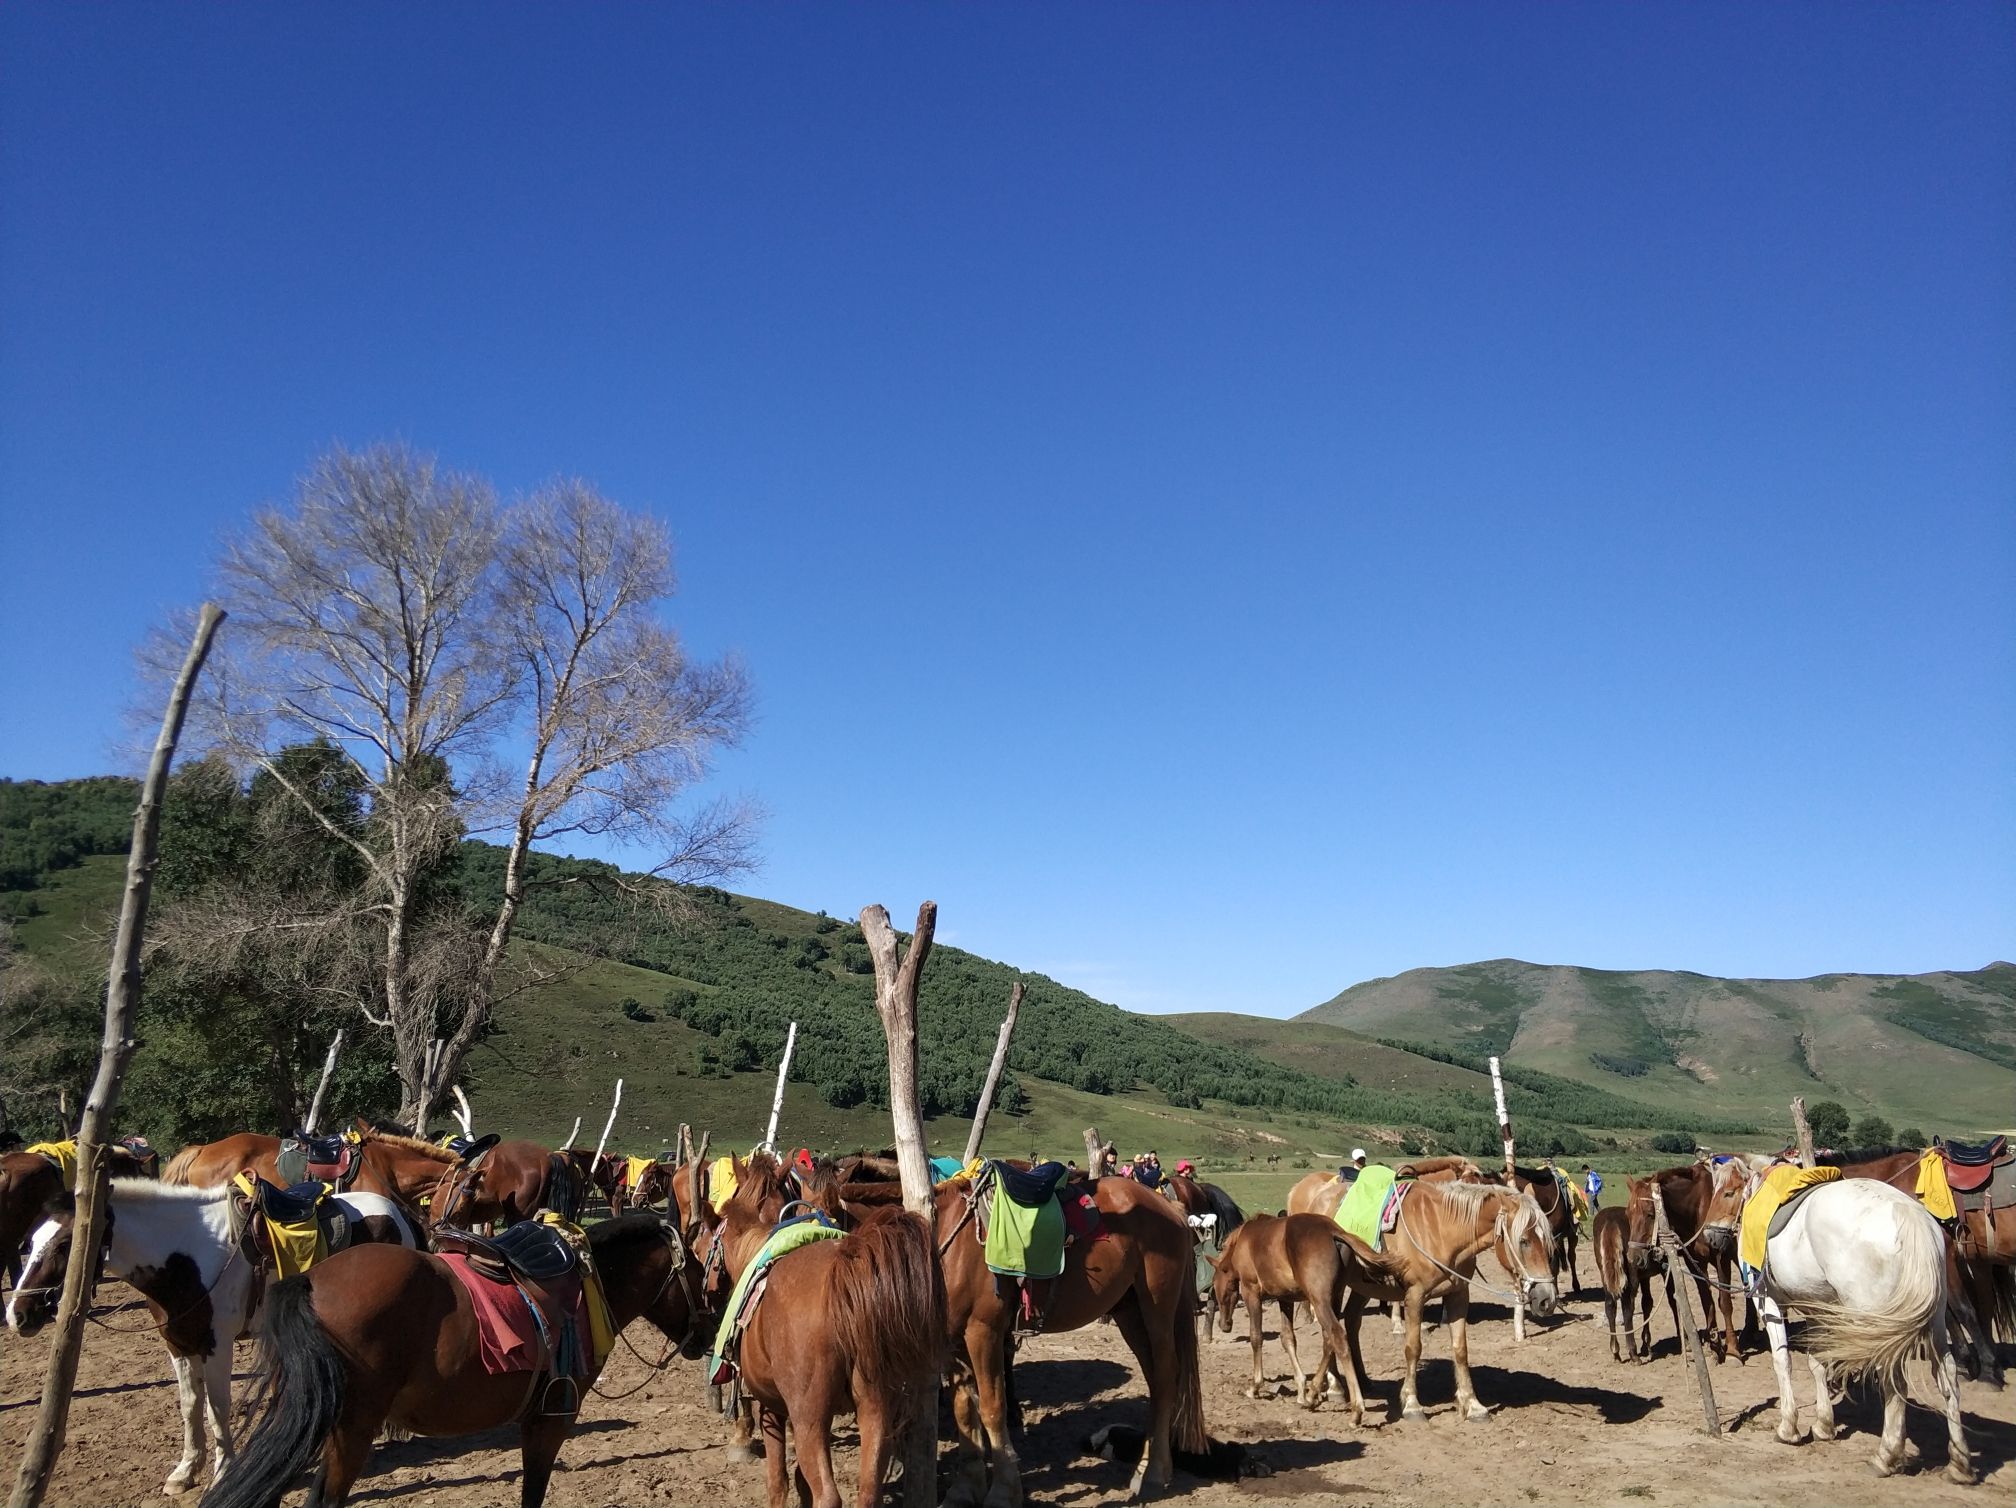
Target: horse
510, 1181
399, 1167
1441, 1229
1703, 1206
1624, 1269
1558, 1207
1866, 1264
378, 1336
1195, 1197
1321, 1193
1981, 1293
32, 1186
1286, 1258
859, 1321
182, 1248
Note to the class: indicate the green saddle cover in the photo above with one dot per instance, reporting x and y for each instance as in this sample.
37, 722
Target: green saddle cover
1026, 1243
783, 1241
1359, 1213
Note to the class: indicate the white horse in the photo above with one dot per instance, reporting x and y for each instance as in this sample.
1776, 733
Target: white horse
1866, 1265
175, 1245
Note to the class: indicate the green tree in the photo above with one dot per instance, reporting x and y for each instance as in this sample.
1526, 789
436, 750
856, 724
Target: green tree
1911, 1136
1828, 1121
1872, 1131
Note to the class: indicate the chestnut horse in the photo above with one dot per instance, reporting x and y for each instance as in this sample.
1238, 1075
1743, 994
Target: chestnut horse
398, 1167
509, 1182
855, 1322
1288, 1258
1322, 1193
1624, 1269
1703, 1203
379, 1336
32, 1187
1441, 1230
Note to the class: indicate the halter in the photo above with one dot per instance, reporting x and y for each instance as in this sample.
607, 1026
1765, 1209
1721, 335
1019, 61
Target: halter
678, 1265
1498, 1229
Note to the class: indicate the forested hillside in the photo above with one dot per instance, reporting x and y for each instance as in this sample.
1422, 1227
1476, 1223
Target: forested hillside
1939, 1048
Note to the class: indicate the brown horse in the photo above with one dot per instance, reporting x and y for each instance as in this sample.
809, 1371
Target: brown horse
1704, 1204
1290, 1258
1549, 1190
1624, 1268
509, 1182
1321, 1193
380, 1336
1442, 1229
398, 1167
857, 1322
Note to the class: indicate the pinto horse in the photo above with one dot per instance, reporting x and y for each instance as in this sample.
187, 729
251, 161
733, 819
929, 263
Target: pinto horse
1442, 1228
1866, 1264
859, 1321
32, 1188
378, 1336
183, 1250
1290, 1258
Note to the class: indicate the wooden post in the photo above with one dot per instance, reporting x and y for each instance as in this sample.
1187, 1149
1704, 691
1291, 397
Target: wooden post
986, 1105
896, 1003
777, 1100
1504, 1119
322, 1085
568, 1145
115, 1048
1690, 1336
1803, 1131
1095, 1153
464, 1116
608, 1125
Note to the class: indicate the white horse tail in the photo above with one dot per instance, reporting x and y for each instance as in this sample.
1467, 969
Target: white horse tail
1881, 1343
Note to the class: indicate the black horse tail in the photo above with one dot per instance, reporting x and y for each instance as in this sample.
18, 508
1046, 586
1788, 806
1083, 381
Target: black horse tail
1230, 1216
305, 1376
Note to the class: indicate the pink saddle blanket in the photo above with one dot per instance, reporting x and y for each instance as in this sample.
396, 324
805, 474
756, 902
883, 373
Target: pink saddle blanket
508, 1335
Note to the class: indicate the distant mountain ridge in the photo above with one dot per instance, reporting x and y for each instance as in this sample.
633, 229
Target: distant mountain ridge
1941, 1046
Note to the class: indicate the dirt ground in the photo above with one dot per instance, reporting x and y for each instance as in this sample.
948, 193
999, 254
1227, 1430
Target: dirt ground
1571, 1426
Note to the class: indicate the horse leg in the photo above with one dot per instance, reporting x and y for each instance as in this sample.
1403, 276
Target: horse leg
1410, 1399
983, 1348
1823, 1402
1288, 1343
969, 1478
1610, 1320
1336, 1348
1249, 1294
1946, 1374
1574, 1277
343, 1457
217, 1404
1456, 1309
1788, 1405
871, 1417
775, 1482
1890, 1450
1153, 1346
812, 1432
191, 1404
742, 1431
539, 1443
1721, 1337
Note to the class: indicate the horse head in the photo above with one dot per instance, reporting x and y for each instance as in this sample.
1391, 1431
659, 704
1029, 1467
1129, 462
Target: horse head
33, 1302
1525, 1247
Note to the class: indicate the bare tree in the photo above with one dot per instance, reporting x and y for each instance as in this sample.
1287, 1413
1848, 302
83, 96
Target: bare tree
396, 610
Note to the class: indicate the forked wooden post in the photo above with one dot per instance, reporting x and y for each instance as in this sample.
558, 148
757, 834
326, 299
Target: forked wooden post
1095, 1153
1802, 1131
1690, 1336
115, 1048
777, 1100
896, 1004
986, 1106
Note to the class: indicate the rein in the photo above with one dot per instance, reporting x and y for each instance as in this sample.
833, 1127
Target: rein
680, 1266
1498, 1227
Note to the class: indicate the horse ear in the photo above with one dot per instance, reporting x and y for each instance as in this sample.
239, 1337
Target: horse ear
1212, 1260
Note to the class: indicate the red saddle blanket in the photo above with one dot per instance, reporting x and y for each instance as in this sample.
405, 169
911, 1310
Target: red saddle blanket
510, 1337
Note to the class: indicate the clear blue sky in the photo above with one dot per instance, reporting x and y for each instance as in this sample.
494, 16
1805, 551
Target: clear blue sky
1228, 500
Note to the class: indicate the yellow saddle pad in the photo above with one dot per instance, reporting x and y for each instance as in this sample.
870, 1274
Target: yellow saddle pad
1933, 1191
297, 1246
63, 1154
1779, 1185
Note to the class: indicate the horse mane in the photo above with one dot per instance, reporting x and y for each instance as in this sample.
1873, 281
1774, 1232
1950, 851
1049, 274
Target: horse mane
759, 1179
1467, 1201
410, 1143
1851, 1156
147, 1190
1225, 1207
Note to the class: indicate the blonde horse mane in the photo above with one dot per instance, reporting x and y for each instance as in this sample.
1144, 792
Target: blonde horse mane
1466, 1201
408, 1143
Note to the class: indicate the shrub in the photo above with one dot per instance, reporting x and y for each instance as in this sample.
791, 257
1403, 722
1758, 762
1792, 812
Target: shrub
1872, 1131
1673, 1141
1828, 1121
1911, 1136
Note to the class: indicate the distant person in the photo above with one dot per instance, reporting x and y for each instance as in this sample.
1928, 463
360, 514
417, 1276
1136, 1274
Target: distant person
1593, 1182
1350, 1171
1186, 1169
1148, 1169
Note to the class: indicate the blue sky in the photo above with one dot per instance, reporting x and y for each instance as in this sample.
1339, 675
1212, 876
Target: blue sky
1230, 501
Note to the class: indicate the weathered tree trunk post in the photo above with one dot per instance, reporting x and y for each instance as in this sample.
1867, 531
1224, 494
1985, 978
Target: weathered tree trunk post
986, 1106
122, 1000
1511, 1182
322, 1084
1802, 1131
568, 1145
896, 1003
1677, 1269
608, 1125
1095, 1153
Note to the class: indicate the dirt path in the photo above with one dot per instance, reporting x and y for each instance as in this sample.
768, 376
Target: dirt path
1572, 1427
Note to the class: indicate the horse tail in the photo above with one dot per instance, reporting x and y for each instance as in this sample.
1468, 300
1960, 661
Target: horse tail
1187, 1425
1226, 1208
1999, 1322
176, 1169
1879, 1343
887, 1299
306, 1376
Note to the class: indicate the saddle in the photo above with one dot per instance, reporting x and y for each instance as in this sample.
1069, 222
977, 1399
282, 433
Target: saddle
332, 1160
1970, 1166
1023, 1228
531, 1250
294, 1228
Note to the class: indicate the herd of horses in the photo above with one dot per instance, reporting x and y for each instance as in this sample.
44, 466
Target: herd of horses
381, 1335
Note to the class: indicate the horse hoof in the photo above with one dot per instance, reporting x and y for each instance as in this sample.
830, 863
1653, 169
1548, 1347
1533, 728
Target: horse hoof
1791, 1434
1962, 1475
1416, 1414
1823, 1431
741, 1452
1476, 1413
174, 1489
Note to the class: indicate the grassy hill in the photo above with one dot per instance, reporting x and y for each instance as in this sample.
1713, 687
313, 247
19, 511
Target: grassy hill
1939, 1049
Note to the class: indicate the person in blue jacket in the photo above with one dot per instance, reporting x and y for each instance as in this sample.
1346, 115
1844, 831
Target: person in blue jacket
1593, 1182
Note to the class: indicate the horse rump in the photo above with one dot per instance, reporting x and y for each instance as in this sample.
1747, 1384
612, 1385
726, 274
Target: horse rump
887, 1299
176, 1168
304, 1378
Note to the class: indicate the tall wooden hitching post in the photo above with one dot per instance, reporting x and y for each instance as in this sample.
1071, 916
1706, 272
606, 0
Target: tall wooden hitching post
122, 1000
986, 1106
896, 1004
1678, 1270
1511, 1182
